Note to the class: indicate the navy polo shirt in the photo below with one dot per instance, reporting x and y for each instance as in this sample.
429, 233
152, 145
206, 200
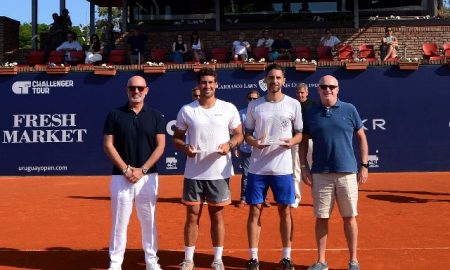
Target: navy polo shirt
332, 131
134, 134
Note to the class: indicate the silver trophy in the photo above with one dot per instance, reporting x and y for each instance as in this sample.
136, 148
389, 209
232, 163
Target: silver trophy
206, 141
273, 132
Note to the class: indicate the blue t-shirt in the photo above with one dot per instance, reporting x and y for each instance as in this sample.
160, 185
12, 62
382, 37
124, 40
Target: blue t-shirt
332, 130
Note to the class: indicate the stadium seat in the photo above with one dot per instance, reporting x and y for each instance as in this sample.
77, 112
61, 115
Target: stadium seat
35, 57
446, 48
158, 54
118, 57
431, 52
220, 54
345, 52
261, 52
56, 57
303, 52
77, 57
324, 53
367, 52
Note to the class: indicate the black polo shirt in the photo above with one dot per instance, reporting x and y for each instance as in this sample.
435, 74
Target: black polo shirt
134, 134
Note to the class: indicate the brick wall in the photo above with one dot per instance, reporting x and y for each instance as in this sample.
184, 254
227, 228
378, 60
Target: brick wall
412, 37
9, 37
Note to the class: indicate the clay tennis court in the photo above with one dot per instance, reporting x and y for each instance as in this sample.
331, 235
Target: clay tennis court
63, 223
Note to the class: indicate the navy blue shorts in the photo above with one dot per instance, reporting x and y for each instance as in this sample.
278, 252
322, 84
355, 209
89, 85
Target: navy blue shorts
282, 187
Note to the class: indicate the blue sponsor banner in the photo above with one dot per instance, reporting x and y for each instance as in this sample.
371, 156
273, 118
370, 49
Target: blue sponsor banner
53, 124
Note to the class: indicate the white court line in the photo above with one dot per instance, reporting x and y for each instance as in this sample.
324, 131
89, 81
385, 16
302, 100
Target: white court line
235, 249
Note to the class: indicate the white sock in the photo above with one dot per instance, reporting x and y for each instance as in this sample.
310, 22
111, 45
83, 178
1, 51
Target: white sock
218, 253
287, 252
189, 253
254, 253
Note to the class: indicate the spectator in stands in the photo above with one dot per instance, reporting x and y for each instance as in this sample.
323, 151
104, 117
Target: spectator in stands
68, 46
265, 41
66, 21
389, 45
94, 53
305, 7
329, 40
198, 53
136, 44
56, 34
241, 48
281, 48
109, 41
179, 49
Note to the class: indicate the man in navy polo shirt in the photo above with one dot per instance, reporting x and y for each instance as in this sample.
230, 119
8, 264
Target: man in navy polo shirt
335, 173
134, 140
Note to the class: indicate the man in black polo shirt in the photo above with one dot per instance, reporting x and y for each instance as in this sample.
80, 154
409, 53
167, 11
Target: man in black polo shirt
134, 140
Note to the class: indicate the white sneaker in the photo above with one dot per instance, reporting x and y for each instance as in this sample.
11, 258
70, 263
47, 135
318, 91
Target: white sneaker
296, 203
153, 265
217, 265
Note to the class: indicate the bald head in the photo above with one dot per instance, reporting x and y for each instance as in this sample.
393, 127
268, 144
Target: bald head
136, 90
328, 79
136, 79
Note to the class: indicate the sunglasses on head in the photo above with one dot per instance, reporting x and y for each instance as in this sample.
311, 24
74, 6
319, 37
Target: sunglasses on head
139, 88
325, 86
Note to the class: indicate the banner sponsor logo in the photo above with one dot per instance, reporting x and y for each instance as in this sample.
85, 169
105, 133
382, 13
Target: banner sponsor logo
373, 161
237, 86
44, 128
38, 87
171, 163
374, 124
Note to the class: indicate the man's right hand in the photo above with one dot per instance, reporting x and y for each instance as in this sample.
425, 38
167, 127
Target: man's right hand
306, 176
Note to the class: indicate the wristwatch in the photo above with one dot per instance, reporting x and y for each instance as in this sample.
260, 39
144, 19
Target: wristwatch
365, 165
230, 144
124, 171
144, 170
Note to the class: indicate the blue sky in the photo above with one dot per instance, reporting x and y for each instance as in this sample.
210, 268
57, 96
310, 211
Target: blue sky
20, 10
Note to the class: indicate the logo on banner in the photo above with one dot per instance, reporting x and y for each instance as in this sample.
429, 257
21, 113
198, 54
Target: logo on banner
44, 128
21, 87
374, 124
373, 161
171, 163
262, 85
38, 87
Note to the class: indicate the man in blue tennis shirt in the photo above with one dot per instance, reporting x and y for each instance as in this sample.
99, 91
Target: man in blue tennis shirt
335, 173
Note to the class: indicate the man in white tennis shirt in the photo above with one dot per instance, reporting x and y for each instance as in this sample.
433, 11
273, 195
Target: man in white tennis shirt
208, 122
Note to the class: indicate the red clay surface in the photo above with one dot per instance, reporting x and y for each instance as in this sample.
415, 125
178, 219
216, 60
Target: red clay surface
57, 223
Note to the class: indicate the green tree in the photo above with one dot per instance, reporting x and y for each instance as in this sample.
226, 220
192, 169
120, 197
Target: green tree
102, 20
25, 34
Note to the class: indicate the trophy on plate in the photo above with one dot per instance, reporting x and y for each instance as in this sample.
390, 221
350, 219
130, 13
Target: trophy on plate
273, 131
206, 142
